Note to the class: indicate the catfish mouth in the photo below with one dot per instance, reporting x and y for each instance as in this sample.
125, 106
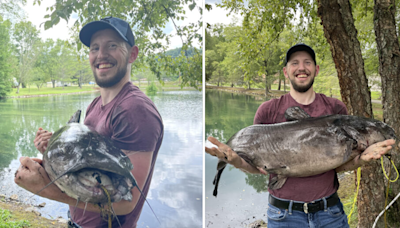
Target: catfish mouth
87, 184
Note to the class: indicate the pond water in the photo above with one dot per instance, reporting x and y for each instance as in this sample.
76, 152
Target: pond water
242, 198
176, 189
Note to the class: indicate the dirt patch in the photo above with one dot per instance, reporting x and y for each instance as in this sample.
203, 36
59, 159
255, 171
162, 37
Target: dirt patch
19, 212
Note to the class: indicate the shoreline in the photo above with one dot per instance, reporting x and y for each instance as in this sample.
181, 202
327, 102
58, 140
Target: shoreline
24, 211
51, 94
93, 91
261, 92
252, 92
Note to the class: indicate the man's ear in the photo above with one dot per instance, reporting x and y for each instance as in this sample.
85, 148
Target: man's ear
134, 54
316, 70
285, 72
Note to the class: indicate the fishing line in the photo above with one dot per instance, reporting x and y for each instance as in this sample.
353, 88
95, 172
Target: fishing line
355, 198
388, 186
109, 205
395, 168
358, 187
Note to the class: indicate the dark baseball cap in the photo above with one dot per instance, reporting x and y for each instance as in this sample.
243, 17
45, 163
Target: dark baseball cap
120, 26
300, 47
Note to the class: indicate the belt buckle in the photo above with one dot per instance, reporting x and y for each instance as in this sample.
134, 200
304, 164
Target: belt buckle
305, 208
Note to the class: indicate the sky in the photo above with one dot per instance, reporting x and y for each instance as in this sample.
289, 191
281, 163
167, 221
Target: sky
35, 14
219, 15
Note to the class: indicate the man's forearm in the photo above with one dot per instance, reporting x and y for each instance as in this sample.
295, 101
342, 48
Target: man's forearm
246, 167
350, 165
121, 208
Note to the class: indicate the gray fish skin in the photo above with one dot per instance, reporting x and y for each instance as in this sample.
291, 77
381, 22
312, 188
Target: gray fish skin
306, 146
76, 155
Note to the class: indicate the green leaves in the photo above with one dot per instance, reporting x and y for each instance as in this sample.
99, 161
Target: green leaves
5, 59
148, 20
191, 6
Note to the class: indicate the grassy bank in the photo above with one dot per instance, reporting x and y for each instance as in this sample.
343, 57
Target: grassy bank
46, 91
375, 95
51, 91
14, 214
376, 106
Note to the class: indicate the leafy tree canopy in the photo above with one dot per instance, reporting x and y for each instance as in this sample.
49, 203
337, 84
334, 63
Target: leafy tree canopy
148, 19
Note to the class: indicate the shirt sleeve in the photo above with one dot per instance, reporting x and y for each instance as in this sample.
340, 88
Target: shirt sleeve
136, 127
262, 115
341, 108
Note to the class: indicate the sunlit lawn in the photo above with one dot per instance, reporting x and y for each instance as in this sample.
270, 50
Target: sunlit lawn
49, 90
33, 90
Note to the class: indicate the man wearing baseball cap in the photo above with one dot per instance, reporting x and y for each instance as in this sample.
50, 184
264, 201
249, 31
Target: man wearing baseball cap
121, 112
302, 201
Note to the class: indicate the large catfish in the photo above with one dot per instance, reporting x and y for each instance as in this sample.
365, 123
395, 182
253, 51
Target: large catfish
306, 145
82, 163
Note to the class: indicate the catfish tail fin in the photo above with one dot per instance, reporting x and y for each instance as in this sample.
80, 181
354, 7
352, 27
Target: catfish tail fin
220, 168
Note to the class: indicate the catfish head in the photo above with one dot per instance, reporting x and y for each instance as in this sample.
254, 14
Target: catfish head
365, 131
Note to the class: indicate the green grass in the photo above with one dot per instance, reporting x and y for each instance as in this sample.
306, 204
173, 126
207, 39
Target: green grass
34, 91
376, 95
378, 111
49, 90
6, 220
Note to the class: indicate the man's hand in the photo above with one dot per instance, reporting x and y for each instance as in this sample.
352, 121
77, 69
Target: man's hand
32, 176
225, 153
375, 151
41, 140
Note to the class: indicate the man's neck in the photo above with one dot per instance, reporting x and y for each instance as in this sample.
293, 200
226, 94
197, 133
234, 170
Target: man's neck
108, 94
305, 98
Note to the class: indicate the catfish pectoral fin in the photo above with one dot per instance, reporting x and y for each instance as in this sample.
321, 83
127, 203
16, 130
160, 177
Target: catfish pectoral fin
221, 166
277, 182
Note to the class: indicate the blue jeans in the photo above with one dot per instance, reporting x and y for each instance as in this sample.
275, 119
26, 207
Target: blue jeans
331, 217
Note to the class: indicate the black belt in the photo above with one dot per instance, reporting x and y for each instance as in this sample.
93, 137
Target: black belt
311, 207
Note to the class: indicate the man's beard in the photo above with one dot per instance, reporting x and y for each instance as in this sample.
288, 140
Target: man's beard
107, 83
301, 88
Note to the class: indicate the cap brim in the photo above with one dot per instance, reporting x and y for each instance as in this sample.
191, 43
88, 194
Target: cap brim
86, 33
300, 47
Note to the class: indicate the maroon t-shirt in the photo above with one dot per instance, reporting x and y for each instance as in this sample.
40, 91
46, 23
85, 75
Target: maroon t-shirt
132, 121
305, 189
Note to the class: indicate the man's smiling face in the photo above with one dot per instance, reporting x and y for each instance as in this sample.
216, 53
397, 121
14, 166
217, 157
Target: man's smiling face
108, 57
301, 71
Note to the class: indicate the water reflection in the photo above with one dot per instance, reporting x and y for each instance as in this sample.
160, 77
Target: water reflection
176, 190
242, 198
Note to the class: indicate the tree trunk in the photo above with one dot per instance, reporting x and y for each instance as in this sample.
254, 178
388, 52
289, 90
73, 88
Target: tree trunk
284, 85
279, 84
54, 83
389, 70
18, 88
80, 79
341, 35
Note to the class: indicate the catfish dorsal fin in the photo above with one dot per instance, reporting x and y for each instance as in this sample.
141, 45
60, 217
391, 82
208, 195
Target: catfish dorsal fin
295, 113
76, 117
